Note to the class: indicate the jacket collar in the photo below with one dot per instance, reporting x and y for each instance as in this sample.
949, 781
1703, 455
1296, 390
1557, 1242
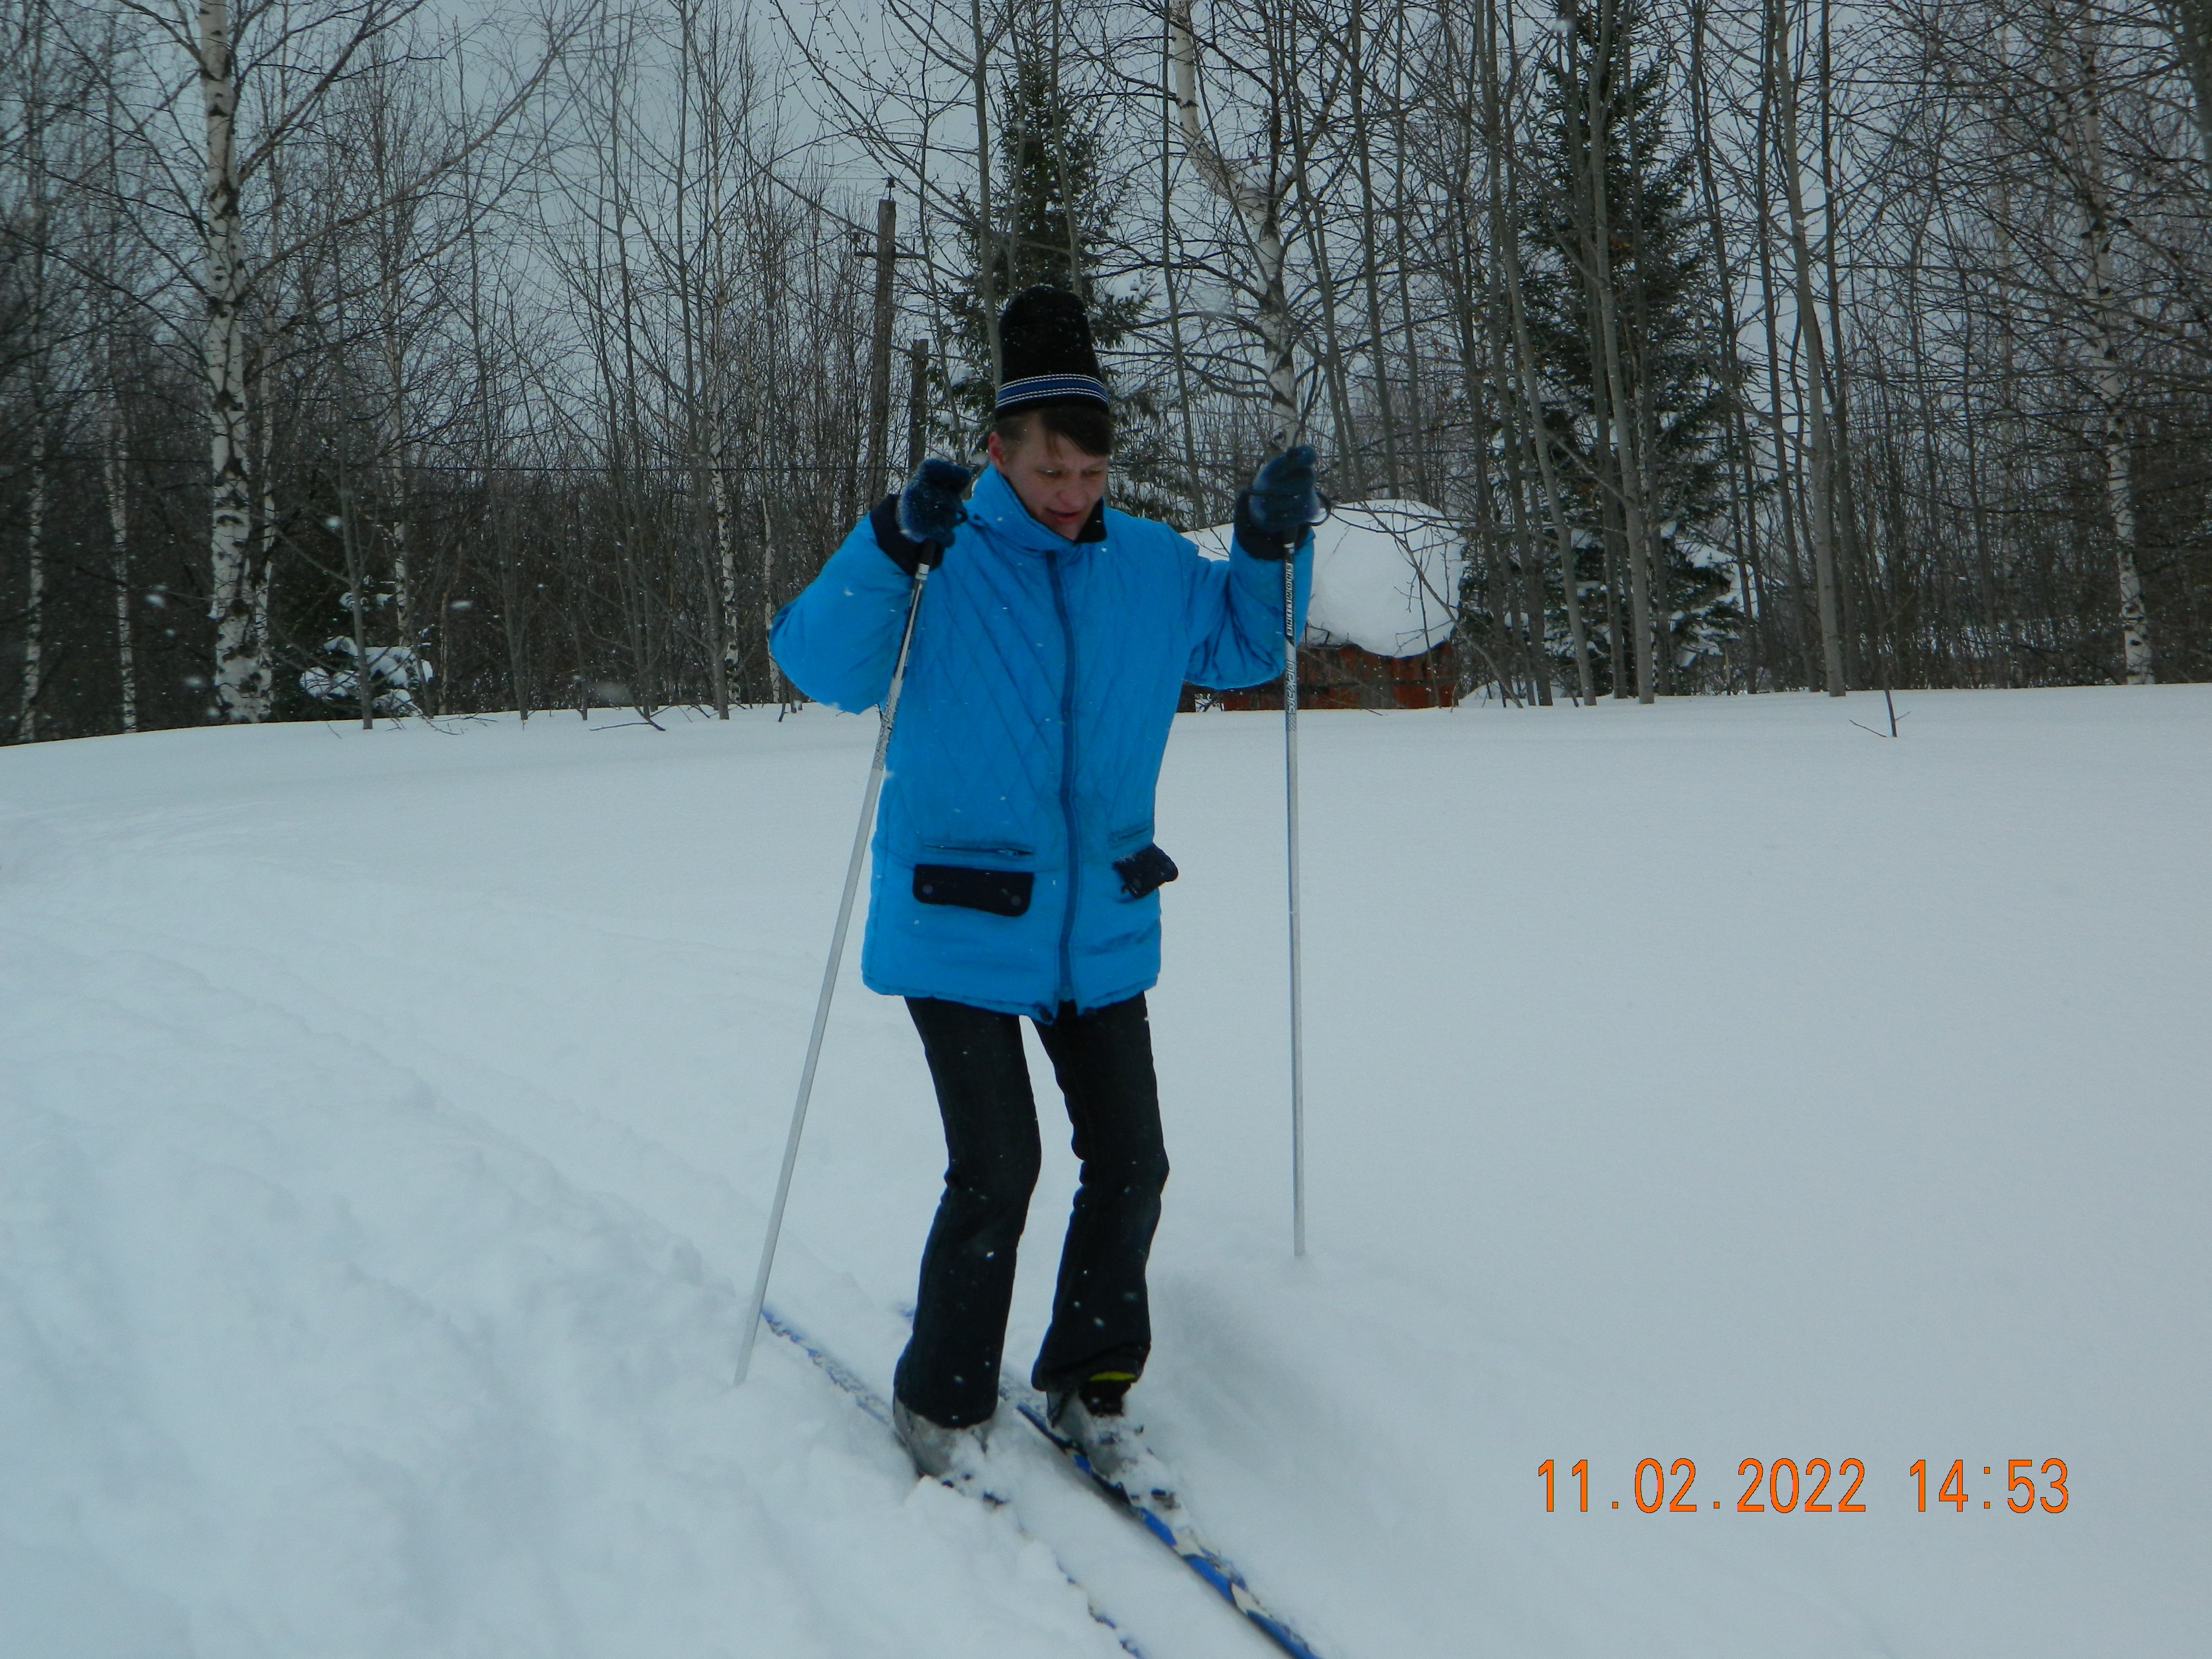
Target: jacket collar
994, 503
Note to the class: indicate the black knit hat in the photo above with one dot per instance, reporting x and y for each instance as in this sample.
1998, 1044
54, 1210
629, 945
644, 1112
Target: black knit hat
1044, 340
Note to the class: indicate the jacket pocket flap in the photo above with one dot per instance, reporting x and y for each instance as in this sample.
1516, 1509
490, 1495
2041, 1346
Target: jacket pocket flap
1145, 871
1000, 892
1131, 836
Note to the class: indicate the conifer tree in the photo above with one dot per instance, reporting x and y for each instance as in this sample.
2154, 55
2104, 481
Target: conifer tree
1057, 201
1664, 294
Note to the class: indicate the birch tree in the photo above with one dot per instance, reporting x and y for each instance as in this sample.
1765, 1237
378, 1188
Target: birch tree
2078, 78
1254, 185
34, 55
265, 71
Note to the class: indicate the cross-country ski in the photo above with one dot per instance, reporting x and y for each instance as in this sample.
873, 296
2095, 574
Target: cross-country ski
1162, 1514
869, 1402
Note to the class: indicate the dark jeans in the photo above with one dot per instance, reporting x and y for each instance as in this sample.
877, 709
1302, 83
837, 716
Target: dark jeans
1100, 1319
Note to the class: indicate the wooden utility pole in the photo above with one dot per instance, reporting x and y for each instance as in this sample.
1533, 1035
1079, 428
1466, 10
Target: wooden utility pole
917, 403
880, 365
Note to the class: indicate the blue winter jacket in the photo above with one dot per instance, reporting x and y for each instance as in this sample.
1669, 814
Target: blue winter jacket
1044, 678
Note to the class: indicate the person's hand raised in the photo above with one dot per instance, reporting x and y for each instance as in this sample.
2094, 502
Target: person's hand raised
1280, 505
929, 507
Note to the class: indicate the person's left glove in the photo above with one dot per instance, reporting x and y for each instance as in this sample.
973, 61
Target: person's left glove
916, 526
1280, 505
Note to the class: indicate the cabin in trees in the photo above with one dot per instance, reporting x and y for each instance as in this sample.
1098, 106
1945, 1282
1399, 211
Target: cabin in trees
1379, 625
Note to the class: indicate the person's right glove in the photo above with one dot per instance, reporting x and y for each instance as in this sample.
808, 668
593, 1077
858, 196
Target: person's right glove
1276, 508
916, 526
929, 508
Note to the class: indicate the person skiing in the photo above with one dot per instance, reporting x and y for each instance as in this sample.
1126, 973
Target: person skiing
1014, 869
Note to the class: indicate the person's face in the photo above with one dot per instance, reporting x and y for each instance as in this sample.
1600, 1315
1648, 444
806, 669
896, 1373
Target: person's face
1056, 480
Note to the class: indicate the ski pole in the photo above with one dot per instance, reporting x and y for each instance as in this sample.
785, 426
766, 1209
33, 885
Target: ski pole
1291, 805
829, 978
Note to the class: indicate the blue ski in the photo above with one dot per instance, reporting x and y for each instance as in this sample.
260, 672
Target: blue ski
1167, 1521
872, 1403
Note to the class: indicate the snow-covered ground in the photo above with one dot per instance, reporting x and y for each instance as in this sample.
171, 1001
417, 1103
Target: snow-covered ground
386, 1123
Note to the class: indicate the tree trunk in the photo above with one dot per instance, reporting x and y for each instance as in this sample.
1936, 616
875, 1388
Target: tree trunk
1807, 304
1855, 578
1742, 512
1785, 478
34, 550
1077, 280
1370, 255
1193, 480
2190, 23
1621, 414
114, 450
1416, 421
2109, 319
114, 474
1260, 207
1507, 238
768, 598
987, 281
714, 444
726, 589
34, 95
241, 669
1635, 337
1348, 453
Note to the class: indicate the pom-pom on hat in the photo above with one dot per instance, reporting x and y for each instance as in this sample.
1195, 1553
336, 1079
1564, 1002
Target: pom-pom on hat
1044, 342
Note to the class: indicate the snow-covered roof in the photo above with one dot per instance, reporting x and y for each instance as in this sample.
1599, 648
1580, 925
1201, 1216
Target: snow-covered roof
1385, 576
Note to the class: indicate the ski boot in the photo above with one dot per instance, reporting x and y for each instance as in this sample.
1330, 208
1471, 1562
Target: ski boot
1094, 1414
956, 1456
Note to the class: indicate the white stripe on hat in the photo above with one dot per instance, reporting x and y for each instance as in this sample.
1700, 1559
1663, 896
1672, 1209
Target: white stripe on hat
1051, 388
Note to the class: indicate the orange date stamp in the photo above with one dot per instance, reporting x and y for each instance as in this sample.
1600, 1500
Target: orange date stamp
1816, 1487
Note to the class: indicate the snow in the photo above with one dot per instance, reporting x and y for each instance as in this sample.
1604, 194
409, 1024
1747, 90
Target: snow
1385, 576
393, 672
377, 1191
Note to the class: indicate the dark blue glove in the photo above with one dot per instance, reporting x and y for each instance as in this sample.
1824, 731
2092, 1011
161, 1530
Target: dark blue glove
1279, 506
916, 526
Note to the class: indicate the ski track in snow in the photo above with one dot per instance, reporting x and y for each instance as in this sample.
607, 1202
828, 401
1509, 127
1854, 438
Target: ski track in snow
387, 1122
